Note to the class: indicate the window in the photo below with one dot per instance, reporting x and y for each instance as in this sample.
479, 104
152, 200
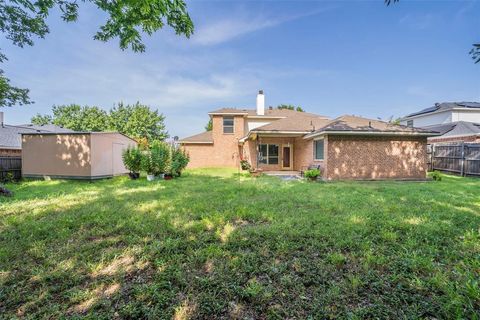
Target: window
227, 124
268, 153
410, 123
318, 149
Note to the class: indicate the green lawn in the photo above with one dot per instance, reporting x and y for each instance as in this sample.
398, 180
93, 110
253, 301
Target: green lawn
213, 244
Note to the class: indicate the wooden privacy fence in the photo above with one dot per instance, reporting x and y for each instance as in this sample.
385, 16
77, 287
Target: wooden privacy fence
12, 165
463, 159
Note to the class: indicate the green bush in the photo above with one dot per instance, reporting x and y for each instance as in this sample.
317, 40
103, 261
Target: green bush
179, 162
147, 163
160, 157
436, 176
132, 159
312, 174
245, 165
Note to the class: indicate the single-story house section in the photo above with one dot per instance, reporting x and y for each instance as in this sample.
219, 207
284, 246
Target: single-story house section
76, 155
348, 147
455, 132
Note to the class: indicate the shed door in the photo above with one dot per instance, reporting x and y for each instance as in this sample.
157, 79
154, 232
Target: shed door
117, 162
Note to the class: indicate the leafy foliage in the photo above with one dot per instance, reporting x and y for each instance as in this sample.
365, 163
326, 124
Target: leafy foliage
23, 20
290, 107
436, 175
10, 95
136, 121
245, 165
312, 174
132, 159
41, 120
475, 52
179, 161
209, 126
160, 156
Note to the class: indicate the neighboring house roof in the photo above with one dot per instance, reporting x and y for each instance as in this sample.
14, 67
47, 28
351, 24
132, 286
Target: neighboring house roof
298, 122
10, 136
456, 129
445, 106
204, 137
348, 124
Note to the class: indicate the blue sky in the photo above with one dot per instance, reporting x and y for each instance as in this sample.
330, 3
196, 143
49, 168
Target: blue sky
330, 57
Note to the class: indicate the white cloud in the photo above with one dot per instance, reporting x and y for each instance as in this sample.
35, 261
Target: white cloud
419, 21
227, 29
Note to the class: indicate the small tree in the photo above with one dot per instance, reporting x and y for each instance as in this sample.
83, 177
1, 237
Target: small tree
160, 156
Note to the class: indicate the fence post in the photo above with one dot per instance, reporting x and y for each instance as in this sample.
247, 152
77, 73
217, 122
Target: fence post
462, 161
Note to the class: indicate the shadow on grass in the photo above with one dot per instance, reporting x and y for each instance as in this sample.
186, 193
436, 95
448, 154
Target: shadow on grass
234, 247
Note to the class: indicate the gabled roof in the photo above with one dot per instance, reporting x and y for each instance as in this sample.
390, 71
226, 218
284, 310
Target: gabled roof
10, 136
348, 124
445, 106
459, 128
273, 112
204, 137
298, 122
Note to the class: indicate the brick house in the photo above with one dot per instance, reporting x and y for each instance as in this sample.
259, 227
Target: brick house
347, 147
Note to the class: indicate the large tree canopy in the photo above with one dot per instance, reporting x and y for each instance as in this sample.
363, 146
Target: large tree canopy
21, 21
137, 121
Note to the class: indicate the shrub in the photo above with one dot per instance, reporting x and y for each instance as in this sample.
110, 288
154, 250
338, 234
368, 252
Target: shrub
146, 163
312, 174
179, 162
132, 159
245, 165
160, 157
436, 176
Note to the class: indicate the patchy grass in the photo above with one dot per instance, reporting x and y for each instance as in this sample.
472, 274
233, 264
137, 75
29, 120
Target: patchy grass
215, 244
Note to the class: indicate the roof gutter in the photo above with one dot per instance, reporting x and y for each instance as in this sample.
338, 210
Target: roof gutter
195, 142
371, 133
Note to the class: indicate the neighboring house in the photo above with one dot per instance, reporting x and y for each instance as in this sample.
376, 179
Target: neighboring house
74, 155
442, 113
11, 139
347, 147
460, 131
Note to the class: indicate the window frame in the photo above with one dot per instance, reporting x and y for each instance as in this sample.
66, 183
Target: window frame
315, 149
267, 157
410, 123
228, 126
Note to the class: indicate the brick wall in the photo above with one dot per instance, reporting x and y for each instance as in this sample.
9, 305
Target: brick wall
10, 153
303, 154
352, 157
224, 152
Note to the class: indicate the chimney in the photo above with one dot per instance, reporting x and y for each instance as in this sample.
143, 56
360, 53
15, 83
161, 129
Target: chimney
1, 119
260, 103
